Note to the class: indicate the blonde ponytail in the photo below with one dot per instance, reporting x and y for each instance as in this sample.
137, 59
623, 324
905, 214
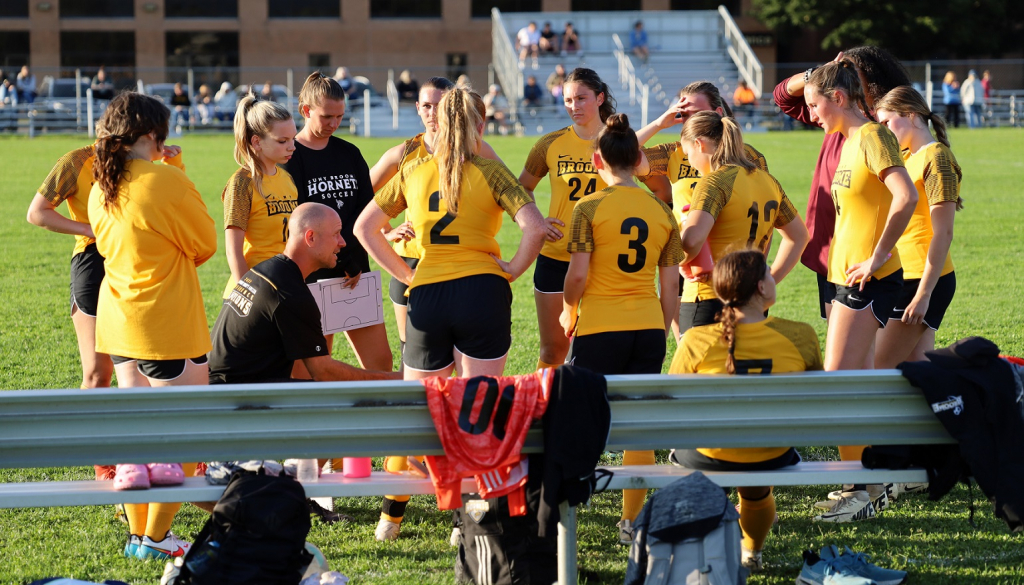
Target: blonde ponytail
456, 141
726, 136
255, 117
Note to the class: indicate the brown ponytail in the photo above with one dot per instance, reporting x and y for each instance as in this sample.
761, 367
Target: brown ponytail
590, 79
128, 117
724, 133
618, 144
456, 141
710, 92
904, 101
735, 281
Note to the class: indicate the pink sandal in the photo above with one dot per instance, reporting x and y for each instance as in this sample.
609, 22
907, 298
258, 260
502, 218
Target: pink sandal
166, 474
131, 476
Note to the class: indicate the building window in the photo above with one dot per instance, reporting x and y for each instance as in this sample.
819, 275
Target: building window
455, 65
97, 8
211, 55
604, 5
304, 9
14, 9
320, 61
90, 49
201, 8
733, 6
405, 8
13, 51
482, 8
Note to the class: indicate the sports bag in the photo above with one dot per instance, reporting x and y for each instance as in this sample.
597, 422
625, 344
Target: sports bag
687, 533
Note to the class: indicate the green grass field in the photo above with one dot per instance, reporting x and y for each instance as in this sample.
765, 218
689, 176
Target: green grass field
931, 540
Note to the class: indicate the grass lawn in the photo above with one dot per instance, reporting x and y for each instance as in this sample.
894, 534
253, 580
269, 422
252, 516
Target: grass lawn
931, 540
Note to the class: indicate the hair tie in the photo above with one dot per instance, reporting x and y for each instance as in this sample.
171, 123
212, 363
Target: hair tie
727, 304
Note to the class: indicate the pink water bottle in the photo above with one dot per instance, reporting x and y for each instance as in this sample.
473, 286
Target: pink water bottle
702, 264
356, 466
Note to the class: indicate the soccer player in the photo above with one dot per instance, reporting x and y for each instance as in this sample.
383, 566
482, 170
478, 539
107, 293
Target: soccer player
332, 171
745, 341
622, 239
874, 200
735, 205
260, 196
152, 229
929, 281
460, 301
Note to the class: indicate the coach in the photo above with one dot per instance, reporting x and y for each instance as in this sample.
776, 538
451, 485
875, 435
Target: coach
270, 319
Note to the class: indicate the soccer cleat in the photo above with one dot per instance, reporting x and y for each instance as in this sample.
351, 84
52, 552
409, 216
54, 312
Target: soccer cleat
131, 548
170, 547
881, 498
131, 476
913, 488
387, 530
751, 559
626, 531
858, 564
851, 507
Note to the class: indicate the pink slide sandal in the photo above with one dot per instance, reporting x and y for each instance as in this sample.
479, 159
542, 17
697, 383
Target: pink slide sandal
166, 474
131, 476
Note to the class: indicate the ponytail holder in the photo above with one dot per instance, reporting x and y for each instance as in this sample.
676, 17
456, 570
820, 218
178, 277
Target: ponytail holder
727, 304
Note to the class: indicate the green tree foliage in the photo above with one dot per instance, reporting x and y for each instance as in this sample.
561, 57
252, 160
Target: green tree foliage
911, 29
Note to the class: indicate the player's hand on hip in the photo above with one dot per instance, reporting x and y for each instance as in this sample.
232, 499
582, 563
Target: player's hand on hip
553, 234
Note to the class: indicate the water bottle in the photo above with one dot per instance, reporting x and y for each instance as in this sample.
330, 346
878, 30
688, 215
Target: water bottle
307, 471
204, 558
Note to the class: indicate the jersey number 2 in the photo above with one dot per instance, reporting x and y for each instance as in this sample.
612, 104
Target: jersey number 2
576, 183
752, 213
487, 410
438, 227
636, 244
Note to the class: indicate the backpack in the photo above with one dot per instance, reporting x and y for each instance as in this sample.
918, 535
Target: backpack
687, 534
256, 535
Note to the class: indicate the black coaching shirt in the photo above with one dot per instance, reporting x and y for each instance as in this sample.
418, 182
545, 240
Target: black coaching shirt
338, 177
268, 321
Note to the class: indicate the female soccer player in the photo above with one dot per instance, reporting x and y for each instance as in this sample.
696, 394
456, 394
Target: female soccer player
735, 205
621, 238
874, 199
332, 171
460, 301
153, 230
259, 197
745, 341
929, 281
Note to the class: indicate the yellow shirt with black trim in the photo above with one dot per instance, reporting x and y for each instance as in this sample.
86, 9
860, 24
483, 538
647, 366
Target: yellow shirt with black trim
152, 239
567, 157
263, 218
454, 246
862, 200
71, 180
772, 346
415, 148
629, 233
746, 206
937, 177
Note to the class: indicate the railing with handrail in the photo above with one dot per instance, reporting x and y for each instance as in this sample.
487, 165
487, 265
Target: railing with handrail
638, 90
506, 65
742, 55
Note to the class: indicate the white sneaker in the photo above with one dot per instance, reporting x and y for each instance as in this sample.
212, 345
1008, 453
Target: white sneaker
852, 506
171, 546
387, 530
881, 496
626, 531
913, 488
751, 559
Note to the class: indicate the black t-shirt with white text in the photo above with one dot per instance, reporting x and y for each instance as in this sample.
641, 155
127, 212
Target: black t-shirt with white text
338, 177
268, 321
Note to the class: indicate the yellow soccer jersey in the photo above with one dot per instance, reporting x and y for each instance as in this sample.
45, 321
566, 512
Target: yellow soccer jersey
862, 200
415, 149
746, 206
567, 157
454, 246
629, 234
70, 180
263, 218
152, 239
772, 346
937, 176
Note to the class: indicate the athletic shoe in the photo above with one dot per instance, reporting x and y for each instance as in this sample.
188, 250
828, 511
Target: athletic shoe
131, 476
387, 530
913, 488
171, 546
838, 574
859, 565
327, 516
851, 507
813, 571
626, 531
131, 548
881, 495
827, 571
455, 537
751, 559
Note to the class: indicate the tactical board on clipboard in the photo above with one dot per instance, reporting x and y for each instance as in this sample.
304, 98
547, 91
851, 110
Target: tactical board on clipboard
344, 309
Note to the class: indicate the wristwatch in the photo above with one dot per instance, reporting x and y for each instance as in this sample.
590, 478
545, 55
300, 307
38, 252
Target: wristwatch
807, 74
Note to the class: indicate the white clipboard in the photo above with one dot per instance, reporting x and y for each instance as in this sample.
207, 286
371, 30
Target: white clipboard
344, 309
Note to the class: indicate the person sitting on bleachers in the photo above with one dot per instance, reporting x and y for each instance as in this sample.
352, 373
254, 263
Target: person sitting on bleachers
533, 95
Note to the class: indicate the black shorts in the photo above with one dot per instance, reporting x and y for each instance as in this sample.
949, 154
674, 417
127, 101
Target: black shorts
396, 290
942, 296
693, 459
549, 275
880, 295
698, 313
163, 370
472, 314
86, 276
620, 352
826, 293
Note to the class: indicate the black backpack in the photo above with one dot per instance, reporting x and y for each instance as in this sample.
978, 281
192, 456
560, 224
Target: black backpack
256, 535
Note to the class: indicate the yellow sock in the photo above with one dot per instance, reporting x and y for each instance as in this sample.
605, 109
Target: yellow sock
851, 453
541, 365
137, 515
633, 500
337, 465
395, 464
160, 517
756, 517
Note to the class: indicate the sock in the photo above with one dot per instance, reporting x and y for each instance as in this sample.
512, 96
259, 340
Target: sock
542, 364
756, 517
160, 517
851, 453
633, 500
393, 508
395, 464
137, 515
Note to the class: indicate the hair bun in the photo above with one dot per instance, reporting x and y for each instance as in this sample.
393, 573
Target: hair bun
617, 122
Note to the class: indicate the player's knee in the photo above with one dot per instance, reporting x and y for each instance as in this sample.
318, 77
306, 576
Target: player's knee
98, 376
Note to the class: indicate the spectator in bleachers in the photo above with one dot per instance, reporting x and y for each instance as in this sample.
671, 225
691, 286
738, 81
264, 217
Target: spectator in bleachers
267, 93
204, 104
571, 41
533, 95
638, 42
181, 104
101, 87
225, 102
26, 83
555, 81
8, 92
951, 99
548, 39
496, 110
407, 86
743, 100
528, 43
986, 84
972, 95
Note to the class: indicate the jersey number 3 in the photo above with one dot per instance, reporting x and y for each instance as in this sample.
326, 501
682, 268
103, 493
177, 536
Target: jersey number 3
435, 230
636, 244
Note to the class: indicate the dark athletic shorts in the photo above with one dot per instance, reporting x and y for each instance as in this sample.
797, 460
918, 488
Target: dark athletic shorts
942, 296
472, 314
693, 459
163, 370
826, 292
880, 295
698, 313
549, 275
620, 352
396, 290
86, 275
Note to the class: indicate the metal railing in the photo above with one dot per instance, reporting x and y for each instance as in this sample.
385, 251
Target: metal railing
742, 55
506, 65
638, 90
393, 98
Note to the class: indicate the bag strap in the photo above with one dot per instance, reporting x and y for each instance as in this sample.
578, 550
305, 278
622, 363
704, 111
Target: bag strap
659, 562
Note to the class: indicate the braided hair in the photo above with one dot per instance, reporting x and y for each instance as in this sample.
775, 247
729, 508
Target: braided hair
735, 280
